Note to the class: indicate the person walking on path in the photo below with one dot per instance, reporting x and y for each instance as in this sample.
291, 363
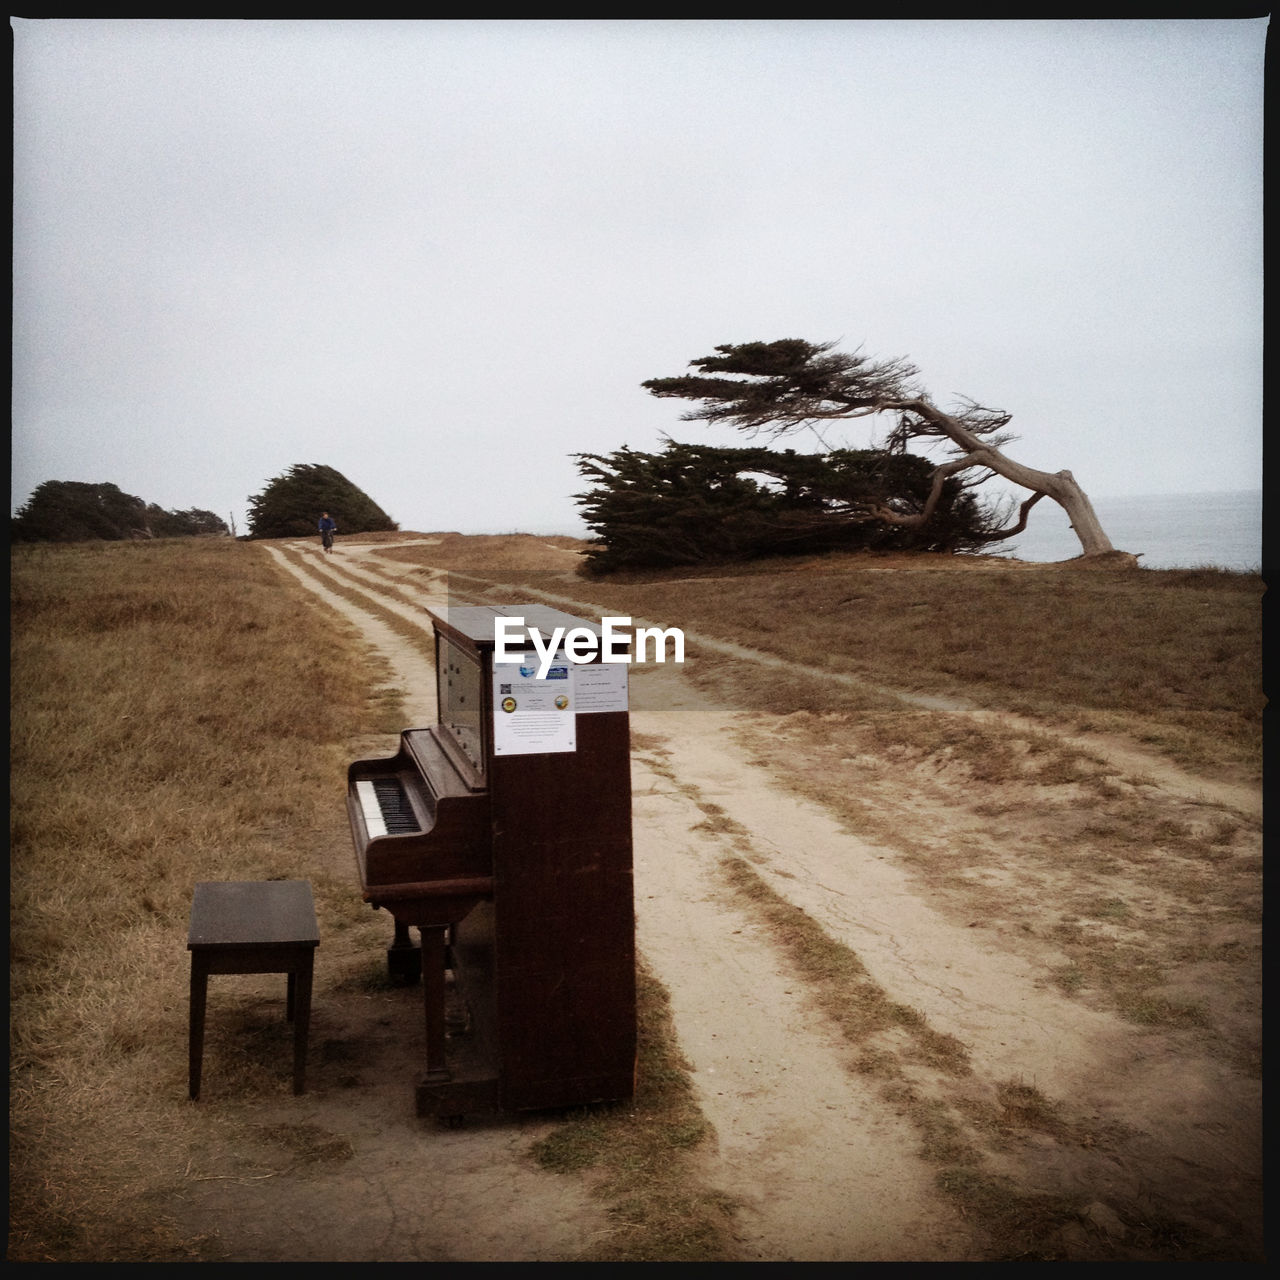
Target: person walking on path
328, 527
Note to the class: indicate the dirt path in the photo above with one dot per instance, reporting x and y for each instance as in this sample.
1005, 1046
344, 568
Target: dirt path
823, 1173
822, 1167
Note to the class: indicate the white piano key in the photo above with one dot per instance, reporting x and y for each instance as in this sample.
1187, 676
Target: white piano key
368, 798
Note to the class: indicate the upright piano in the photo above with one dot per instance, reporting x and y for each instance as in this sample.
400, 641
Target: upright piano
502, 834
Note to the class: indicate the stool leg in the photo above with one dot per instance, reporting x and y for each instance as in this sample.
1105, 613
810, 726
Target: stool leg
195, 1043
290, 997
300, 1000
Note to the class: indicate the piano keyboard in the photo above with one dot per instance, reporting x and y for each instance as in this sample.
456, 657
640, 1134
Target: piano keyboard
386, 807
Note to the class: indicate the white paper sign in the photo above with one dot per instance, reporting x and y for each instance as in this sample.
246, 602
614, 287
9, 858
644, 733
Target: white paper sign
602, 686
533, 716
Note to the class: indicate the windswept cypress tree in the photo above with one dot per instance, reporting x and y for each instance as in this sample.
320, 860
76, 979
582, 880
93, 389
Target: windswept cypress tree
183, 524
784, 386
291, 504
695, 504
71, 511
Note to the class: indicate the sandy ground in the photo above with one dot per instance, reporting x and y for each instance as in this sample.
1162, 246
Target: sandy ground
822, 1167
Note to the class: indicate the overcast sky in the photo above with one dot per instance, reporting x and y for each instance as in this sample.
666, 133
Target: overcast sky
442, 256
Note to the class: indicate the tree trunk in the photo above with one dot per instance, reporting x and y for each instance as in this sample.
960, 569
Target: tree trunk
1061, 486
1075, 502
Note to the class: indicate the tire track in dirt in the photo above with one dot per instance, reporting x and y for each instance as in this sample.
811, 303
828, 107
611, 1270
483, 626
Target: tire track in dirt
820, 1168
961, 979
415, 673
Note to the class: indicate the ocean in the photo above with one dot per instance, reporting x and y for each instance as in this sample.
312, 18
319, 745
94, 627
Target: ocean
1168, 531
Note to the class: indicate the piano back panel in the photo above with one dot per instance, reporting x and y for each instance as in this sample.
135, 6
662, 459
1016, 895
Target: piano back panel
564, 920
558, 947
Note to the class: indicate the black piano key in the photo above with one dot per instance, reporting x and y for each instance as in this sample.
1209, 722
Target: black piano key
394, 805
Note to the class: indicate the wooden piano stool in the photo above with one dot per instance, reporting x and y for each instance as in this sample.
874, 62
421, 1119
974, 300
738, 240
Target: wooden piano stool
248, 926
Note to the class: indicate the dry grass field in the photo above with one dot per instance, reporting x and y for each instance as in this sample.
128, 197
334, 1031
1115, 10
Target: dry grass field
1063, 765
175, 717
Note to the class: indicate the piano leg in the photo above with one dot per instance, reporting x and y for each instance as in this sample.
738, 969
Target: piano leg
433, 995
404, 959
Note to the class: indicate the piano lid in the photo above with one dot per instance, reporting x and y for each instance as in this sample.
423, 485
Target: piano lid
475, 622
